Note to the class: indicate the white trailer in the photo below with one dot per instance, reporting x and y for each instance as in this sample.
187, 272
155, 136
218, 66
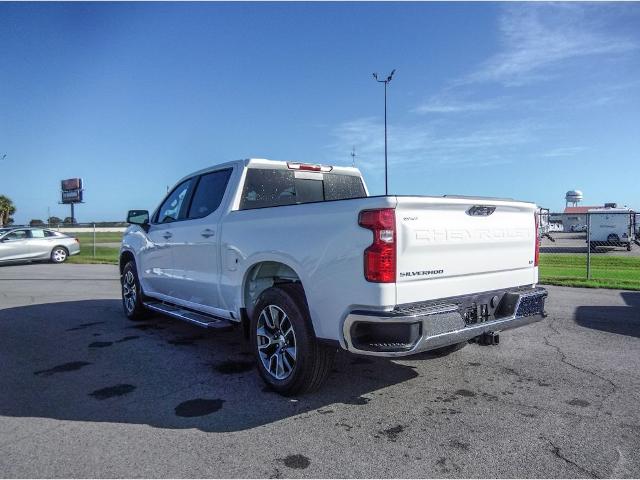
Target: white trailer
614, 227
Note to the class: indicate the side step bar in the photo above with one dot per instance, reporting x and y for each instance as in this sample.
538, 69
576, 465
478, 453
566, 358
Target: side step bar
200, 319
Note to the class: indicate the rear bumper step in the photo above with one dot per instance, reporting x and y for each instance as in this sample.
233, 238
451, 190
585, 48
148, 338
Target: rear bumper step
415, 328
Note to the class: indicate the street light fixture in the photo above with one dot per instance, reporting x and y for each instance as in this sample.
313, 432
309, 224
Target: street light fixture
388, 79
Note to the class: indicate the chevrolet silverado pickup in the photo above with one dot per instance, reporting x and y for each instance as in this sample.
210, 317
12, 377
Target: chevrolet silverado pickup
304, 261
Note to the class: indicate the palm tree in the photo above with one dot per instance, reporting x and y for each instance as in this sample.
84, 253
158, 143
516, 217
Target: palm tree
7, 208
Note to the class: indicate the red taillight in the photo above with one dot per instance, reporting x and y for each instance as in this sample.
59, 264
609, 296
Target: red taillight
308, 167
380, 256
77, 240
536, 258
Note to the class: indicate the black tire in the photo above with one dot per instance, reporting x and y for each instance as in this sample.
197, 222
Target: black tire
613, 238
132, 293
59, 254
312, 361
629, 247
592, 246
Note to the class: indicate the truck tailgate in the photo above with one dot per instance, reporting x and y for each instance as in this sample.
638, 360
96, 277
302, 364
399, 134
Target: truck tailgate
448, 246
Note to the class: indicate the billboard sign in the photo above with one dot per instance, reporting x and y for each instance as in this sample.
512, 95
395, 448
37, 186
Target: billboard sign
71, 190
71, 184
72, 196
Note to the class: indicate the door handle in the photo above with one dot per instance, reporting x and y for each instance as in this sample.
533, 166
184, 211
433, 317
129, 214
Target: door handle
167, 235
207, 233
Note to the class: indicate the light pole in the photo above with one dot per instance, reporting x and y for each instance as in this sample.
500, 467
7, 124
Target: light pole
375, 76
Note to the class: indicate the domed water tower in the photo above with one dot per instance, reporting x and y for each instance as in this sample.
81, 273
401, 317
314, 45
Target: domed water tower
573, 198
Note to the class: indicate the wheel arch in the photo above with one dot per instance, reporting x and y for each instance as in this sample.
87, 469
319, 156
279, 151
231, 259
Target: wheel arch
262, 275
66, 249
126, 256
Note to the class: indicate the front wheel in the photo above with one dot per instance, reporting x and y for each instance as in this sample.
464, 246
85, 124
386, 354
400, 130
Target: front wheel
132, 293
289, 358
59, 255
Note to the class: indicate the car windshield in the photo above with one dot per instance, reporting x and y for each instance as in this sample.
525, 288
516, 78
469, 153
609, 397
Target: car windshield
4, 230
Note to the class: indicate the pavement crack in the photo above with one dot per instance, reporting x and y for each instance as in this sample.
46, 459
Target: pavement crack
558, 453
563, 359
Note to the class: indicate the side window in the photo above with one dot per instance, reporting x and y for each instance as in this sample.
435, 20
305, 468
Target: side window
17, 235
37, 233
173, 206
209, 193
342, 187
268, 188
49, 233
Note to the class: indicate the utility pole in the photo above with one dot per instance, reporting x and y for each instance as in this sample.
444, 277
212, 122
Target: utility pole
386, 82
353, 156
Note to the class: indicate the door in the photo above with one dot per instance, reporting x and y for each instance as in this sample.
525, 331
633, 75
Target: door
41, 244
15, 246
196, 244
156, 258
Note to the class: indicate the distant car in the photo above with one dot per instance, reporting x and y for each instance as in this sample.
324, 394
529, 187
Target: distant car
578, 228
27, 244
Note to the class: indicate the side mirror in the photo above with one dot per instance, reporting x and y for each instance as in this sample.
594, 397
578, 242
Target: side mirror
138, 217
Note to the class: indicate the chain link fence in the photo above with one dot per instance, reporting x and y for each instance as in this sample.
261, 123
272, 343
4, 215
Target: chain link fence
99, 241
599, 248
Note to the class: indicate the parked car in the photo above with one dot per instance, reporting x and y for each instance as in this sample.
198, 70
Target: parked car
578, 228
306, 262
29, 244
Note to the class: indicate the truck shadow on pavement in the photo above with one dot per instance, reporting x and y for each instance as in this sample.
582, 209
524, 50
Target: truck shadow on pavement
624, 320
84, 361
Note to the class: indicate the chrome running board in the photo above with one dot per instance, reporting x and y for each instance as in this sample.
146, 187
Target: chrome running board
197, 318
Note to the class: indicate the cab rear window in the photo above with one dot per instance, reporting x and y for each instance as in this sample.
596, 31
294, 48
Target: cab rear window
278, 187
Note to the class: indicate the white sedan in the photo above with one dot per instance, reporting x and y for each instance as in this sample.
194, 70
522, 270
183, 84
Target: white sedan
26, 244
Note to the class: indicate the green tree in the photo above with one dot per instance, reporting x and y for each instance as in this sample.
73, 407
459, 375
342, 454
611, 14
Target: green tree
36, 222
54, 220
7, 208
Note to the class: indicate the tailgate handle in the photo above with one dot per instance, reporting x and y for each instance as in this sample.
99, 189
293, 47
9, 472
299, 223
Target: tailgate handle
481, 210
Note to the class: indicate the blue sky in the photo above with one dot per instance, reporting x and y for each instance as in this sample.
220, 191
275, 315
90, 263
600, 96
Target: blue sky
514, 99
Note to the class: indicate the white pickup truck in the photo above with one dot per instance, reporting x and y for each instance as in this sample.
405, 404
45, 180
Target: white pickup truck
306, 262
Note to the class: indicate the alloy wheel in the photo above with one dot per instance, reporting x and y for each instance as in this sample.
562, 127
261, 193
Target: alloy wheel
59, 255
129, 291
276, 342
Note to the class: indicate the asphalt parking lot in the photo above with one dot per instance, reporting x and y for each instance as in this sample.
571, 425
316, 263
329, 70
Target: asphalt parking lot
87, 393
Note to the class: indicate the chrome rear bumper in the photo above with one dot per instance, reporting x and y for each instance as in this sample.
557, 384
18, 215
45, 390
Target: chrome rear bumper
433, 325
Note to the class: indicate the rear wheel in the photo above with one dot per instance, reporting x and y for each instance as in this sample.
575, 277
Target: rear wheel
289, 358
59, 255
132, 293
